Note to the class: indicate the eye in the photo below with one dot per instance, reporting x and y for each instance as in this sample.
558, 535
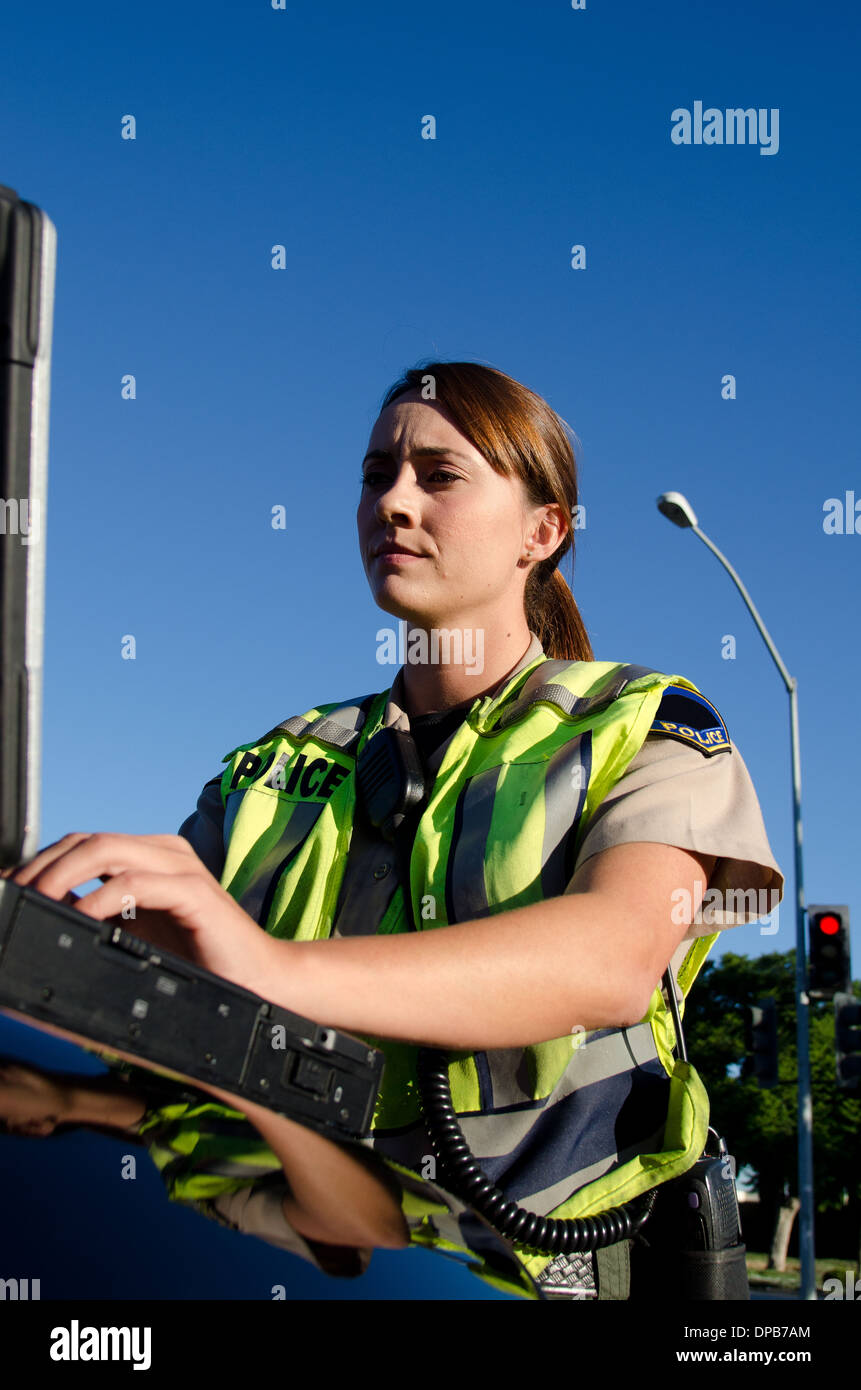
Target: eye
372, 477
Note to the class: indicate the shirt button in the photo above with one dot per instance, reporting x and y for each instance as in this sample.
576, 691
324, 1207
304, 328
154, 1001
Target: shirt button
381, 870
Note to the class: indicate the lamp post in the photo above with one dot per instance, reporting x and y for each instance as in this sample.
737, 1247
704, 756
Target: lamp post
678, 510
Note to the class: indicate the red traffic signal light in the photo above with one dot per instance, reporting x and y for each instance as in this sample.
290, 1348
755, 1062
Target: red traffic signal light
829, 958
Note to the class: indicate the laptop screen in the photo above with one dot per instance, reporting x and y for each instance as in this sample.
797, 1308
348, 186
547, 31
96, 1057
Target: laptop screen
28, 243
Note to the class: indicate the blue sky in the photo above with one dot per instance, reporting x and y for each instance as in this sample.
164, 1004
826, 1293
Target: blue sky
257, 387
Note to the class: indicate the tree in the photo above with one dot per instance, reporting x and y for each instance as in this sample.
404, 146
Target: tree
760, 1126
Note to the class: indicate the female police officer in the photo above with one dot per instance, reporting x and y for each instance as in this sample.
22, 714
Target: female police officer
573, 816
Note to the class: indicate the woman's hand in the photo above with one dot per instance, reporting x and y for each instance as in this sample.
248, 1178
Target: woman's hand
167, 897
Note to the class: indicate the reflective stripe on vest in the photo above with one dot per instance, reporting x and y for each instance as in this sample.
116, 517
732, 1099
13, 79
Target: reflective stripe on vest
566, 1127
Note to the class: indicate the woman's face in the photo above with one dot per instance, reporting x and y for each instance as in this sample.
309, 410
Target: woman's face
430, 492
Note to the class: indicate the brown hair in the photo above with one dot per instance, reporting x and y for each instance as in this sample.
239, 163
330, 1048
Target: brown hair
519, 435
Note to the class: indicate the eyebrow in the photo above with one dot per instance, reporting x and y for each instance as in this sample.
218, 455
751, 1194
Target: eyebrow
424, 451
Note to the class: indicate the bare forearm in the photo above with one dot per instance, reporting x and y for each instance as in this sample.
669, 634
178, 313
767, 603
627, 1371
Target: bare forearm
589, 959
515, 978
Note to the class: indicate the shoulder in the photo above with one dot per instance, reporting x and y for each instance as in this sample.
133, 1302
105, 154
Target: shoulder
688, 717
344, 715
675, 792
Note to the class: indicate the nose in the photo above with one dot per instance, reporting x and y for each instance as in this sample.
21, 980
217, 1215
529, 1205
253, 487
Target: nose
397, 504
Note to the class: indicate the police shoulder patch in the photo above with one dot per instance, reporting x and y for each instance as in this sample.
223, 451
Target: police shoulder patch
690, 718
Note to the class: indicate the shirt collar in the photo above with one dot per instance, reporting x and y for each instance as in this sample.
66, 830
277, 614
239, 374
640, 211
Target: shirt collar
396, 716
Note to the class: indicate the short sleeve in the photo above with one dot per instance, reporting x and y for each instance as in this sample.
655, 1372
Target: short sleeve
258, 1211
204, 828
674, 795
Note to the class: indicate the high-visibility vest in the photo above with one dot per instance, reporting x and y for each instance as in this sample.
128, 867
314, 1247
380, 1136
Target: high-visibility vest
567, 1127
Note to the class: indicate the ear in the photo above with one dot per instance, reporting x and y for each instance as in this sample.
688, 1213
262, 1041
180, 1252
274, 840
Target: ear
548, 531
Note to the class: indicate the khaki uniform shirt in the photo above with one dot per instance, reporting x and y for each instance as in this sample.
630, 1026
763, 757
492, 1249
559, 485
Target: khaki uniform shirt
670, 794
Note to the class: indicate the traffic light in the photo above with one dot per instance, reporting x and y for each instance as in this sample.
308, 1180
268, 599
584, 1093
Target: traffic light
847, 1041
761, 1040
829, 966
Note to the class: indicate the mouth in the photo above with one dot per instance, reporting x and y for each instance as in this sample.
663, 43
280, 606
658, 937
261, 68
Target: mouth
395, 552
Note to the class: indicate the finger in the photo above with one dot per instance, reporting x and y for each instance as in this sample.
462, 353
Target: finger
148, 906
177, 843
141, 890
103, 855
26, 872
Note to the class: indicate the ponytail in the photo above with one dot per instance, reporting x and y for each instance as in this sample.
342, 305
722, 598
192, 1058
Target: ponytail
553, 615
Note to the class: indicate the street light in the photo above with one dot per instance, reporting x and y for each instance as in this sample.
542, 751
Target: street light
679, 510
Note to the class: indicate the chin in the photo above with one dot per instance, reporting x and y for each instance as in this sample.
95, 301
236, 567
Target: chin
398, 607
